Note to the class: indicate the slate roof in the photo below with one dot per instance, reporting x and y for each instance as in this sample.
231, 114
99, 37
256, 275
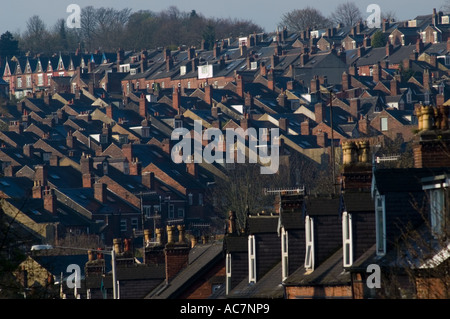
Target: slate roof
201, 258
267, 287
328, 273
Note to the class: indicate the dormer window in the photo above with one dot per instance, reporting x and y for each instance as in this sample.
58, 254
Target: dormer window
409, 97
437, 210
309, 234
228, 273
436, 190
284, 254
380, 225
251, 259
347, 239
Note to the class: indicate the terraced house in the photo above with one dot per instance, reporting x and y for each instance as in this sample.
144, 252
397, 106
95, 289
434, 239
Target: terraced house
87, 151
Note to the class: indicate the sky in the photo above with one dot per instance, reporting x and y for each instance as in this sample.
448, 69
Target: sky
265, 13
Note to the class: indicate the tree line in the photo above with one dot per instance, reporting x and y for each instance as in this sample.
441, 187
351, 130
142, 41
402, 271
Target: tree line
108, 29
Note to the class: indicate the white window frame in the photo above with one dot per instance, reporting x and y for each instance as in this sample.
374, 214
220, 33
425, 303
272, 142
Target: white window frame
134, 223
123, 225
251, 259
384, 125
228, 273
309, 240
437, 210
180, 212
284, 254
347, 239
380, 219
171, 211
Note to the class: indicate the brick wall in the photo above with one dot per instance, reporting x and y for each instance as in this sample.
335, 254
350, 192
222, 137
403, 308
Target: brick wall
311, 292
202, 288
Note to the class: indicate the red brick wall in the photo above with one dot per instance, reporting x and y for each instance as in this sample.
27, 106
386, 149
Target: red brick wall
310, 292
202, 288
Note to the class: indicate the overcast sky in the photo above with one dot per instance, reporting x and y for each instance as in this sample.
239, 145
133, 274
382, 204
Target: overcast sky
266, 13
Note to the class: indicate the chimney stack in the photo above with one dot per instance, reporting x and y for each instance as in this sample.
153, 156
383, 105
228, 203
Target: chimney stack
143, 106
304, 127
50, 202
318, 112
176, 98
355, 107
208, 94
100, 192
148, 180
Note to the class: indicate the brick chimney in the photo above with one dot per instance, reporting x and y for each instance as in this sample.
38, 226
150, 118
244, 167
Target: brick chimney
208, 94
135, 167
143, 106
346, 81
419, 45
169, 64
315, 84
376, 72
15, 126
176, 98
191, 53
271, 80
28, 150
430, 149
86, 164
283, 124
40, 174
263, 68
70, 140
389, 48
355, 105
319, 112
304, 127
176, 254
109, 111
148, 180
426, 79
50, 202
127, 151
192, 169
37, 189
363, 125
100, 191
240, 86
394, 87
322, 138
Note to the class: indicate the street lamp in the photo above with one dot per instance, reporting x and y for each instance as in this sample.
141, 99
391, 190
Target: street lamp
112, 253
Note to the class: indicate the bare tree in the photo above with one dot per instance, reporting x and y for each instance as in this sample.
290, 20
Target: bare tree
36, 37
347, 14
303, 19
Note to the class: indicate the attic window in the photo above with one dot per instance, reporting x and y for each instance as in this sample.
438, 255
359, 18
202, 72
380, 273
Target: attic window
36, 212
309, 234
347, 239
4, 183
54, 176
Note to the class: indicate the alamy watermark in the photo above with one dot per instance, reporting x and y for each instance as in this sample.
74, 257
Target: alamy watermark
374, 279
74, 279
74, 19
260, 146
374, 19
